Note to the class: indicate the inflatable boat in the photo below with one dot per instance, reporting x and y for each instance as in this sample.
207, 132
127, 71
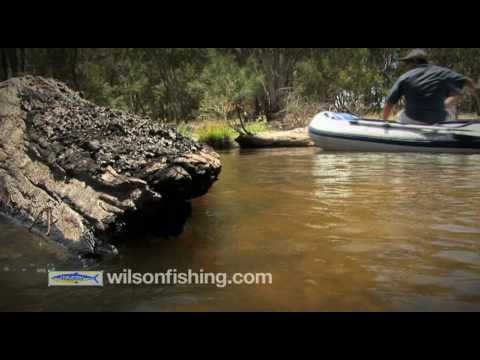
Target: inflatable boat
347, 132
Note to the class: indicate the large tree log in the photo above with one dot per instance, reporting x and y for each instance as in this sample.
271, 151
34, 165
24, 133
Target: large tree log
277, 139
79, 173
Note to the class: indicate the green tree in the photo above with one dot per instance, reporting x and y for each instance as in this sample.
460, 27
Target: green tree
228, 89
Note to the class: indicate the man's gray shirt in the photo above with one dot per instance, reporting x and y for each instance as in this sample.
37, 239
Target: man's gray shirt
425, 89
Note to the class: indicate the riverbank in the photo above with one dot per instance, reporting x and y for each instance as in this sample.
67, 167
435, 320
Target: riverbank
220, 135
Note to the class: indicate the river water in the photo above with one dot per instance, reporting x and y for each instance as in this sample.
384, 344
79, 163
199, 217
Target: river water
338, 232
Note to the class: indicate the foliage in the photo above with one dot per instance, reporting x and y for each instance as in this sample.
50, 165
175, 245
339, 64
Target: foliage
185, 84
226, 86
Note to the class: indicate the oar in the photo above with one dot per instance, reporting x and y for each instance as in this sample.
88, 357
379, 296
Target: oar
424, 128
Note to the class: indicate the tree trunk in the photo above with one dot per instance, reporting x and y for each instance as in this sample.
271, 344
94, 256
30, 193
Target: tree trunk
277, 65
4, 64
13, 60
74, 68
22, 60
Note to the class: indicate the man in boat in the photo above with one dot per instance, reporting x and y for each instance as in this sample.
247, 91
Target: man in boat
431, 92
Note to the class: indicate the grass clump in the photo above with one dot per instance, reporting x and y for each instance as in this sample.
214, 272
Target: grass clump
257, 127
221, 135
218, 136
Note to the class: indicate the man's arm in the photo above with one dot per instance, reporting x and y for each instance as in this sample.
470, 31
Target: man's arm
459, 82
471, 86
453, 101
393, 98
387, 111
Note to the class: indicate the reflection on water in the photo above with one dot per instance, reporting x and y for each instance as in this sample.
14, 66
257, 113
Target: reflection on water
339, 232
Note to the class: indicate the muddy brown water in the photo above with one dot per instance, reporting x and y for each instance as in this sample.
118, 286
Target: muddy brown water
338, 232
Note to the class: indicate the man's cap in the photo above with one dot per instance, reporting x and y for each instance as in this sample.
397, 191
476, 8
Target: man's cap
417, 54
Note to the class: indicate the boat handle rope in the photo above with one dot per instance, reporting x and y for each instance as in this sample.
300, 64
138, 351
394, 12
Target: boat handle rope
427, 129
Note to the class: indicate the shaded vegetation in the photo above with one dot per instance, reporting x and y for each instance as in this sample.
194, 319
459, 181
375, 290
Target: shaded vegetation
189, 84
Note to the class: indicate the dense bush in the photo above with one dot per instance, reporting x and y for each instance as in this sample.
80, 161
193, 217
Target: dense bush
184, 84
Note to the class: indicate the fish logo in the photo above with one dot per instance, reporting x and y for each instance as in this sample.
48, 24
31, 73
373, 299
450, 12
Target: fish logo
75, 278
